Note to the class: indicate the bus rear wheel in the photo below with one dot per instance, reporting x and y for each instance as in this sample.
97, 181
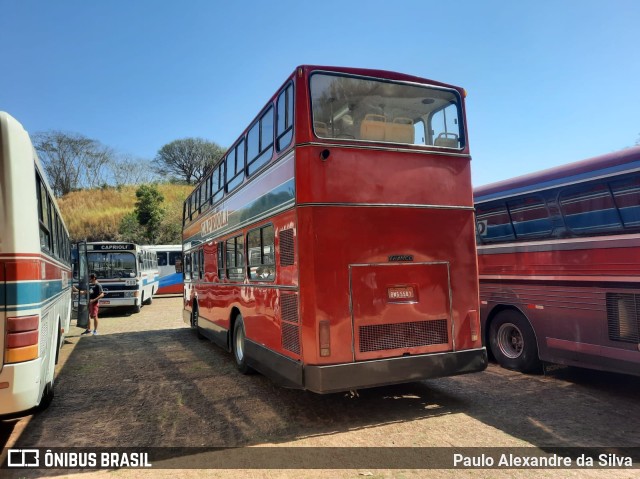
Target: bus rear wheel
513, 342
238, 346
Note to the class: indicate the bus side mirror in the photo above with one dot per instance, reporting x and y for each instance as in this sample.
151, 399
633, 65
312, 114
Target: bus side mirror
178, 266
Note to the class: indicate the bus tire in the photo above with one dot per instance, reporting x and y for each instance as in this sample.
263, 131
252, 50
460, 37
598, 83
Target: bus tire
150, 300
238, 345
513, 342
47, 397
136, 309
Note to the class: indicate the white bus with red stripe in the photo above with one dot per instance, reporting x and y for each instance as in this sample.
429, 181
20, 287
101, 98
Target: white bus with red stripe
35, 272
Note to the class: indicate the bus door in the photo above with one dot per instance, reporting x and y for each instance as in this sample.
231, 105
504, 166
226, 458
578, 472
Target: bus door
83, 286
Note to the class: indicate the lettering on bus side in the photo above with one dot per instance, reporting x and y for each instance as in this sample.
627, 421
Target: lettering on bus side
216, 221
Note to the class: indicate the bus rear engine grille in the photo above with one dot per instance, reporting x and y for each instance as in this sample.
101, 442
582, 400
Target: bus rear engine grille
623, 318
380, 337
290, 337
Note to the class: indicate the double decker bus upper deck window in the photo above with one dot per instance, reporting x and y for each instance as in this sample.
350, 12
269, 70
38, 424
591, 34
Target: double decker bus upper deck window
366, 109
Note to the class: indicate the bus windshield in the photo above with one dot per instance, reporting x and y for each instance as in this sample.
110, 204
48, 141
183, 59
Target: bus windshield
360, 108
111, 265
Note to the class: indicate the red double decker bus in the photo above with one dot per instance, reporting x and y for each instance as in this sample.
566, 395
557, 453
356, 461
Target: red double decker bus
332, 248
559, 259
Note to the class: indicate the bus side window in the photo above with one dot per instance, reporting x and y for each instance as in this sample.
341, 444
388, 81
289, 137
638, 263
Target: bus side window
220, 261
201, 262
261, 247
235, 258
589, 209
284, 127
493, 223
187, 266
530, 217
174, 256
260, 142
626, 193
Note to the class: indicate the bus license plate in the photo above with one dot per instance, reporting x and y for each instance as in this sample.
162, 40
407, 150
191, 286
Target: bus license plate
105, 302
401, 293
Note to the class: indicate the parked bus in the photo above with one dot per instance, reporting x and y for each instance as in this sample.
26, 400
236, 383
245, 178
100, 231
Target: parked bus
559, 256
332, 247
35, 271
127, 272
170, 277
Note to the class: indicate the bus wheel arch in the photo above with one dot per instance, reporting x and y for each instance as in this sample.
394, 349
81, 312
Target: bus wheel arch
512, 340
58, 340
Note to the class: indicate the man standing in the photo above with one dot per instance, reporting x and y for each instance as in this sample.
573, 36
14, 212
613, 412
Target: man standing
95, 293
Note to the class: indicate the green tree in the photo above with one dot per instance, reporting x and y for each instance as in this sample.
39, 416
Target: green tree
149, 210
188, 159
130, 230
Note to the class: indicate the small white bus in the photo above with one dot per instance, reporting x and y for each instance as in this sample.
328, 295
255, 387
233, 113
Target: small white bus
127, 272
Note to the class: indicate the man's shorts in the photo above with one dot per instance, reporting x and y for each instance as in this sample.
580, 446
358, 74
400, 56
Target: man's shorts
93, 309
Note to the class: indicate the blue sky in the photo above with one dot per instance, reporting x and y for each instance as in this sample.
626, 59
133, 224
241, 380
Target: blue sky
548, 82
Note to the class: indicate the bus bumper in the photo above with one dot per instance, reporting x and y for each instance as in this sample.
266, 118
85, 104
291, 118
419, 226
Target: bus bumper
119, 302
382, 372
20, 387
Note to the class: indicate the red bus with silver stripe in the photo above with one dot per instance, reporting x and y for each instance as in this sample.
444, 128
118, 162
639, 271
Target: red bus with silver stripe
332, 247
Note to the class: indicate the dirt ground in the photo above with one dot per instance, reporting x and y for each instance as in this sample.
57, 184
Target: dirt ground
147, 381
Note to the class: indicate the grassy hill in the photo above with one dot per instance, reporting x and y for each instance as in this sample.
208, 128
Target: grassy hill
96, 214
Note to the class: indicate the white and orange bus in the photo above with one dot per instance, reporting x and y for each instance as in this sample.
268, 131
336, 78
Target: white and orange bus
35, 273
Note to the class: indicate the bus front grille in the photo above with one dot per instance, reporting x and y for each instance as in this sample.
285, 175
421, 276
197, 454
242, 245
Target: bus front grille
623, 318
119, 294
379, 337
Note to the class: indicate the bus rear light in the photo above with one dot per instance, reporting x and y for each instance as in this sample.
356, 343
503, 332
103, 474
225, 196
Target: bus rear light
21, 324
19, 355
474, 324
22, 339
324, 338
19, 340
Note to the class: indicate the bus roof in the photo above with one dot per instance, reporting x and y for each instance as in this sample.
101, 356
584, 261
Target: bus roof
599, 166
